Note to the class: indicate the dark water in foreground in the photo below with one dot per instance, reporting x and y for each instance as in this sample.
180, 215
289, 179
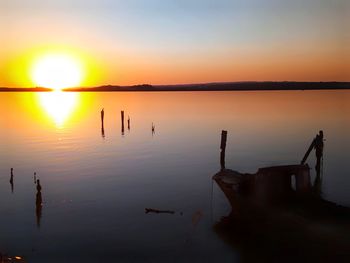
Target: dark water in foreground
96, 185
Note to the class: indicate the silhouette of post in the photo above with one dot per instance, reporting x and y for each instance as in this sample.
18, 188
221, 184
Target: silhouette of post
11, 180
122, 117
38, 203
129, 123
319, 160
102, 115
103, 132
317, 144
102, 122
223, 148
153, 129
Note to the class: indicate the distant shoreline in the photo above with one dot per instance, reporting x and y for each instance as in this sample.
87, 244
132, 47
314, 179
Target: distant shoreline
225, 86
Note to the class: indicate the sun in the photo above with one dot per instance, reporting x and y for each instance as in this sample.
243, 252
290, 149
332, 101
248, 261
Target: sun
57, 71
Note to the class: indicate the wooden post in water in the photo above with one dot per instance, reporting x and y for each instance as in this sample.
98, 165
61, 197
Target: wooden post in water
102, 116
223, 148
153, 128
317, 144
102, 122
122, 116
11, 180
319, 160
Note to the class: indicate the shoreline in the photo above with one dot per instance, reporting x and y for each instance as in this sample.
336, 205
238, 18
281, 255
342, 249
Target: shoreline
227, 86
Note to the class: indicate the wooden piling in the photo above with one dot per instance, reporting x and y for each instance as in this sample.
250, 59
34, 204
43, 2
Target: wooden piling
317, 144
223, 148
122, 118
223, 140
153, 128
103, 131
102, 122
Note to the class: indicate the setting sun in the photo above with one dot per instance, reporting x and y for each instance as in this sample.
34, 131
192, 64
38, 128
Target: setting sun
57, 71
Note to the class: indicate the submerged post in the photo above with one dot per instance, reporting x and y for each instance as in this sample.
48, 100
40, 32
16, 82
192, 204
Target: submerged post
223, 148
122, 116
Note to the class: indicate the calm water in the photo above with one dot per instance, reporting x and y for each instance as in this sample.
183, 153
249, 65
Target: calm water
95, 187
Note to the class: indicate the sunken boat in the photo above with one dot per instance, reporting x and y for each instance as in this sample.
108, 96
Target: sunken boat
279, 215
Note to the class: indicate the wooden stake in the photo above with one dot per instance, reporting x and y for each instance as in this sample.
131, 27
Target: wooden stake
223, 149
122, 116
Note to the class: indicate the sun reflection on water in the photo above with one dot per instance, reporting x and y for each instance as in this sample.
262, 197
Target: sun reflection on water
59, 105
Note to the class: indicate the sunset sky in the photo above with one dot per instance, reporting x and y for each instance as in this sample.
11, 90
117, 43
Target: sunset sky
178, 41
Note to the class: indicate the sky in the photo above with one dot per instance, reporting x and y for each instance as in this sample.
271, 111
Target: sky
179, 41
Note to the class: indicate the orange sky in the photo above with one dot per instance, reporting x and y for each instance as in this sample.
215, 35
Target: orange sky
160, 42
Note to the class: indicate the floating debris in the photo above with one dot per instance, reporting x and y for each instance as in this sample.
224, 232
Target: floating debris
151, 210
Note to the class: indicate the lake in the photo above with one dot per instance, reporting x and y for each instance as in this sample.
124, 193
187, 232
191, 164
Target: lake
96, 184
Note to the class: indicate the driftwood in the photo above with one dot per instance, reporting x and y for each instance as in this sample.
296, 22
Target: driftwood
151, 210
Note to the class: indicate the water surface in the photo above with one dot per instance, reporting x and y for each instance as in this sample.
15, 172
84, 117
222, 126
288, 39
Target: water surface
96, 185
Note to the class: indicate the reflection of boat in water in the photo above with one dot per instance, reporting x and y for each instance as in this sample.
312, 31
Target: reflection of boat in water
277, 216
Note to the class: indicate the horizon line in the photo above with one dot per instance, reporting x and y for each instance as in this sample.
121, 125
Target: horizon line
180, 84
